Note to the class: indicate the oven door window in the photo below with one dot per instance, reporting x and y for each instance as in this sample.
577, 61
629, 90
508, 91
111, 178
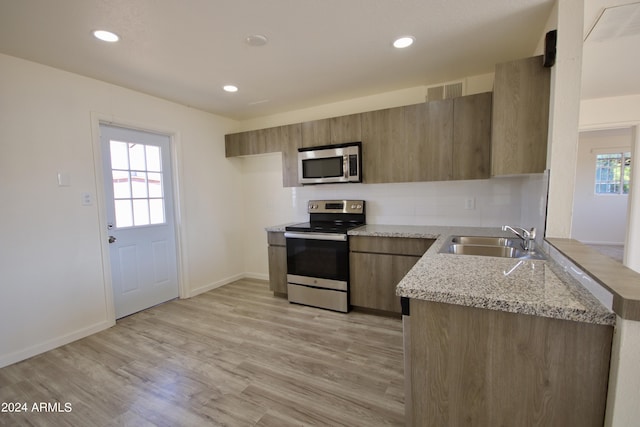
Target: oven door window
327, 167
318, 258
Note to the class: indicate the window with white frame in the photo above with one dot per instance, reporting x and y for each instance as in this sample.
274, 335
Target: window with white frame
613, 172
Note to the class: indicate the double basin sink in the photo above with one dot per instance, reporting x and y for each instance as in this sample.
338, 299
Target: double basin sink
501, 247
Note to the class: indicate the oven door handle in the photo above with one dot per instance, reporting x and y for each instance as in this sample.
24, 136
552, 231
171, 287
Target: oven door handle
335, 237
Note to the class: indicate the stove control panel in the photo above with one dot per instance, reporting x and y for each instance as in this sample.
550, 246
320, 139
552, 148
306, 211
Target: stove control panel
336, 206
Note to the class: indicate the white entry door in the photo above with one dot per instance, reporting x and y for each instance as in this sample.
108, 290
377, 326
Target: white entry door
140, 216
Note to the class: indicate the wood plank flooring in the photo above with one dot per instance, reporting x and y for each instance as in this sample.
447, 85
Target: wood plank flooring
234, 356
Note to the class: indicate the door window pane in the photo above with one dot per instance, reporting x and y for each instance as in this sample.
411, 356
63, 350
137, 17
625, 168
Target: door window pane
155, 184
119, 155
121, 185
139, 184
136, 157
124, 215
153, 158
156, 211
141, 212
138, 194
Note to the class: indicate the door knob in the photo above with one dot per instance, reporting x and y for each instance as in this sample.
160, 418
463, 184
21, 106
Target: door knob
112, 239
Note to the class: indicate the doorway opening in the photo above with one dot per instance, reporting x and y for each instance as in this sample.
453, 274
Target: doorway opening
601, 194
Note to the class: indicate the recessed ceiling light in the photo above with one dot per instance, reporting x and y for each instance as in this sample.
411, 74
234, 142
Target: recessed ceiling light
106, 36
230, 88
403, 42
256, 40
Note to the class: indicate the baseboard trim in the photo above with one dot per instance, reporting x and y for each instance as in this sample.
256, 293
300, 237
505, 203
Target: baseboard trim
214, 285
20, 355
257, 276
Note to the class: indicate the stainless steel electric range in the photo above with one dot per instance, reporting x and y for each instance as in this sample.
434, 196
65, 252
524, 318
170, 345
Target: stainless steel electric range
318, 254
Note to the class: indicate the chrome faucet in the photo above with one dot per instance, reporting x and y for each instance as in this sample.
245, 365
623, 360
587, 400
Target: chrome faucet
527, 236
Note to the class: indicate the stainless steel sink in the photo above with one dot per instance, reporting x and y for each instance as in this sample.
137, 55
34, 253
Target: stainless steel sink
485, 241
500, 247
499, 251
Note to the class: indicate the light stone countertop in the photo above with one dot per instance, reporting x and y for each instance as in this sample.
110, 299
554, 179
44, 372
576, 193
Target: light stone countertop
278, 228
534, 287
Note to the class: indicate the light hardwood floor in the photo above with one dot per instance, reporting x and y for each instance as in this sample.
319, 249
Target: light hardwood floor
234, 356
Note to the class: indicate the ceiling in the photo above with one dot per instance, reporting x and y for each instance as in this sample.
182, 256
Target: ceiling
610, 60
318, 51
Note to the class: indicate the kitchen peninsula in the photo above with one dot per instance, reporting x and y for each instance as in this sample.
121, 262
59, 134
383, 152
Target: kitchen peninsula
499, 341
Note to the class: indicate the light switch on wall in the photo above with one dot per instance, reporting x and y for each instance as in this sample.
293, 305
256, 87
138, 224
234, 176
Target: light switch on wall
64, 180
87, 199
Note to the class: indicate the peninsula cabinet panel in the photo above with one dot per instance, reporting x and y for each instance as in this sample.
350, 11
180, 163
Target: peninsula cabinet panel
493, 368
429, 128
277, 252
472, 136
385, 150
520, 117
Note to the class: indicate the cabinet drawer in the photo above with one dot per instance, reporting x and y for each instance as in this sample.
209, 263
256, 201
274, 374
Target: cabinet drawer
276, 238
390, 245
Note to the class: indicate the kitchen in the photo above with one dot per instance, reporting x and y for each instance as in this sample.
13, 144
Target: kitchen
213, 256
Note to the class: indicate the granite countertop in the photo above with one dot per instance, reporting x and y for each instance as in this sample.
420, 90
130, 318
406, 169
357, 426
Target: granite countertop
278, 228
535, 287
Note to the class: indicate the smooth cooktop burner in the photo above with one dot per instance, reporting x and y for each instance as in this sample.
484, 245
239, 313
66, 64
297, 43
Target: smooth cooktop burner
323, 227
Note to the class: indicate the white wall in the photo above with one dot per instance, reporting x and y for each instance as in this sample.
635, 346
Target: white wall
52, 287
598, 218
415, 95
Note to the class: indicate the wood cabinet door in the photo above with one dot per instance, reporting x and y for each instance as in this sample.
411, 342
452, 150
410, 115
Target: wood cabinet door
520, 122
345, 129
336, 130
291, 140
237, 144
429, 129
316, 132
472, 136
374, 278
277, 252
385, 153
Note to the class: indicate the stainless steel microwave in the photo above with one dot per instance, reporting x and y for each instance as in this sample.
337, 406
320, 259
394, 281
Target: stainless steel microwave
329, 164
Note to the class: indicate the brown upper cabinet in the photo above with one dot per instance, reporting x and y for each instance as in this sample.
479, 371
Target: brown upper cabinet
472, 136
433, 141
335, 130
520, 117
468, 137
285, 139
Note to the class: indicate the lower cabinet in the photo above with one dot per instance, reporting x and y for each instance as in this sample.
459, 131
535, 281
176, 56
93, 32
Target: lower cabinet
492, 368
277, 251
377, 264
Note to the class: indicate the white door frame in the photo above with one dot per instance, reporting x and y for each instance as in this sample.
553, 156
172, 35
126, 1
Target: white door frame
174, 136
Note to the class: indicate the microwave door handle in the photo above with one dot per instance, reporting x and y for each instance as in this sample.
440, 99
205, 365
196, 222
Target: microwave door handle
345, 165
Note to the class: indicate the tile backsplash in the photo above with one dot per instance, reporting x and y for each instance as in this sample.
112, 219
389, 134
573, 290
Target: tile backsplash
519, 200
